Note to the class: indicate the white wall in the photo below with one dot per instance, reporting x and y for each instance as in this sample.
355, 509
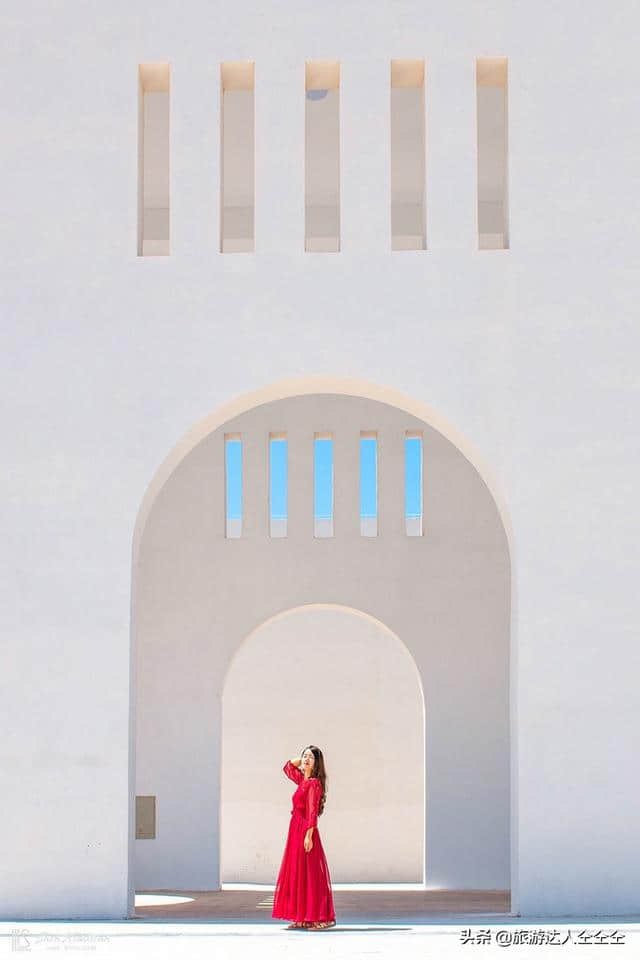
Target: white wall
108, 359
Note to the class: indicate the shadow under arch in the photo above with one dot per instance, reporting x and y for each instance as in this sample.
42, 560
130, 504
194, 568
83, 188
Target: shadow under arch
407, 668
345, 387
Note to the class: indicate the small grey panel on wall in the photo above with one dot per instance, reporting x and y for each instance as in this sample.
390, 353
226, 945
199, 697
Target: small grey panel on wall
145, 818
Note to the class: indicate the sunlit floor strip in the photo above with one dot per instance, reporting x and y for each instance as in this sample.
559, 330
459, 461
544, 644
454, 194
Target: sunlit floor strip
160, 900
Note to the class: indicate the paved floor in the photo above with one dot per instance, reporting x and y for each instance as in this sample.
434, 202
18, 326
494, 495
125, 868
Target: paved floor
351, 906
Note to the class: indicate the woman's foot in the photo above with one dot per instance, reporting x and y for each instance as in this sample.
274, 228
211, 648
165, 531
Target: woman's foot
296, 925
320, 924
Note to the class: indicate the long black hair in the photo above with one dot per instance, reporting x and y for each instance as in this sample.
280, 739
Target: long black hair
320, 772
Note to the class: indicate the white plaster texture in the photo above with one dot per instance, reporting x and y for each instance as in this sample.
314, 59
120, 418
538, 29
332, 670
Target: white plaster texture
108, 360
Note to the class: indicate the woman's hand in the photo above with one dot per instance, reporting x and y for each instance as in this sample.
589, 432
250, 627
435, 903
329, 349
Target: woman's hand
308, 842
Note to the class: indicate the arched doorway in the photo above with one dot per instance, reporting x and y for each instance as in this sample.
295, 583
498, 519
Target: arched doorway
198, 594
336, 677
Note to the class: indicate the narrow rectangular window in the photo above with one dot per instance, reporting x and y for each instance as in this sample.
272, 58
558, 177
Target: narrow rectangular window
368, 484
323, 485
491, 90
322, 156
413, 483
237, 146
153, 159
278, 484
408, 218
233, 484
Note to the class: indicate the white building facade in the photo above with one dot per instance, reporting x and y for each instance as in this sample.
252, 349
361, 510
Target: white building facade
247, 222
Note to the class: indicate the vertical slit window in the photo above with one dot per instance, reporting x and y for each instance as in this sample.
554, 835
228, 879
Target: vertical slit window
278, 484
413, 483
491, 90
233, 484
408, 218
237, 143
368, 484
153, 159
323, 485
322, 156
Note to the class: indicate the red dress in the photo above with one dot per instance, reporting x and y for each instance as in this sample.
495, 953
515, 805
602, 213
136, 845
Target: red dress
303, 887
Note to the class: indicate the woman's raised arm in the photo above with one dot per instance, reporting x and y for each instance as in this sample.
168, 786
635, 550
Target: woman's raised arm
291, 770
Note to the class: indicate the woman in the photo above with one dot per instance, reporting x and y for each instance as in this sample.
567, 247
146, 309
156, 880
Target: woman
303, 888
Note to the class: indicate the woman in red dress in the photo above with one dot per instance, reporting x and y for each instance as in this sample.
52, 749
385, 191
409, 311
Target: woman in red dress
303, 888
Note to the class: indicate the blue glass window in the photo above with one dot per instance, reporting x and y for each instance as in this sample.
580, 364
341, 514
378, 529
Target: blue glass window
323, 485
233, 484
278, 484
413, 484
368, 484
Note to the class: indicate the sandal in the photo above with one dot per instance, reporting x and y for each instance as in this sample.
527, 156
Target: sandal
321, 924
296, 925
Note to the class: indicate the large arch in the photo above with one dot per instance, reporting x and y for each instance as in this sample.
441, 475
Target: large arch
197, 596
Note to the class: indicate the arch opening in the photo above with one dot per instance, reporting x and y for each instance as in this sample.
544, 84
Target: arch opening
359, 699
197, 598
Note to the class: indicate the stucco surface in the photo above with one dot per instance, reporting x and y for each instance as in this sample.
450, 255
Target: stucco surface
109, 360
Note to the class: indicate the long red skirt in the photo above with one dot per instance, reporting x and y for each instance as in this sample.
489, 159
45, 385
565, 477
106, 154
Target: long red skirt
303, 887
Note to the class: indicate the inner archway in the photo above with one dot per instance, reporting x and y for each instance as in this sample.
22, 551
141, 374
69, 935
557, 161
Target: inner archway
328, 675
